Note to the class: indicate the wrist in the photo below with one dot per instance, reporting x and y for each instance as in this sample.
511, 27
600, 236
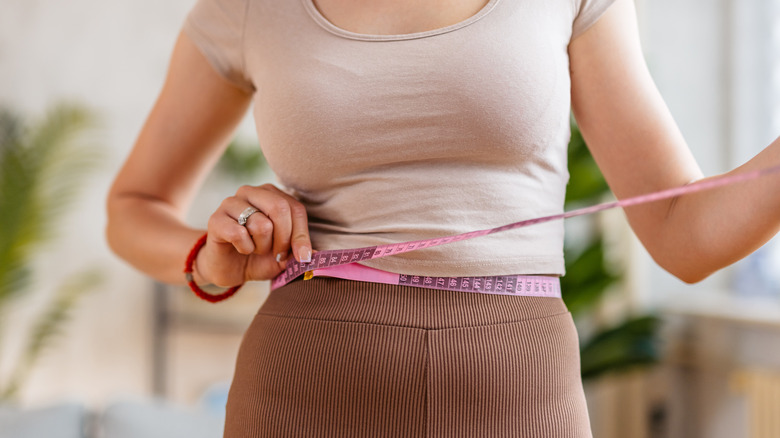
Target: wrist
197, 273
192, 277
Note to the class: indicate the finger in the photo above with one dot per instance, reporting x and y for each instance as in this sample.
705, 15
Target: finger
263, 267
300, 242
258, 226
224, 229
262, 231
276, 206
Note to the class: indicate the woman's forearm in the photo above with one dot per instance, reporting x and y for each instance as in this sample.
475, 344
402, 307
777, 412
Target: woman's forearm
187, 130
150, 235
704, 232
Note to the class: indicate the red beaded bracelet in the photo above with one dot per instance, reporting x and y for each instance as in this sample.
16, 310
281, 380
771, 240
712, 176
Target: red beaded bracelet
191, 281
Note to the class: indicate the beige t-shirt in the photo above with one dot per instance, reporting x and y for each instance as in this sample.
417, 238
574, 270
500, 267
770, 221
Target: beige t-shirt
393, 138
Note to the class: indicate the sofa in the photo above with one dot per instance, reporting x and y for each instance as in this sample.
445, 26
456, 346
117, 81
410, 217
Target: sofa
121, 419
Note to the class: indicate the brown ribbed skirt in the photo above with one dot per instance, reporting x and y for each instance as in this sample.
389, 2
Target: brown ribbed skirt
341, 358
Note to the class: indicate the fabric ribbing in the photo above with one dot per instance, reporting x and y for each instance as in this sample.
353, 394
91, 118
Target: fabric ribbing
517, 379
331, 357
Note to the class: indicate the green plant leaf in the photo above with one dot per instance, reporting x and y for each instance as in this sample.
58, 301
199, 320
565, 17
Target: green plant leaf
48, 325
586, 183
242, 161
41, 168
624, 346
587, 278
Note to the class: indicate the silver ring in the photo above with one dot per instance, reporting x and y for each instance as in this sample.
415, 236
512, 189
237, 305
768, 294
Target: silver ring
244, 216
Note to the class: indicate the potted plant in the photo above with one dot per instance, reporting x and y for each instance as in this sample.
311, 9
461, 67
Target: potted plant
42, 167
589, 277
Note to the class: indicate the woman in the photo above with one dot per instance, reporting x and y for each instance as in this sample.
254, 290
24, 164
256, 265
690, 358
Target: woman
402, 120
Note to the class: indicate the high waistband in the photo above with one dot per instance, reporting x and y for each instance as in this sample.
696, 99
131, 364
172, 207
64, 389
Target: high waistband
334, 299
531, 285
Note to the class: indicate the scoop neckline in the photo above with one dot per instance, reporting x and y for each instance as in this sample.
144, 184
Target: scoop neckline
332, 28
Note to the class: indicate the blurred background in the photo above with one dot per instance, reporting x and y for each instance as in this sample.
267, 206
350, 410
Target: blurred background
91, 348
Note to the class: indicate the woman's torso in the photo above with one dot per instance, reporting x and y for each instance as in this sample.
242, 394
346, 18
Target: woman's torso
388, 137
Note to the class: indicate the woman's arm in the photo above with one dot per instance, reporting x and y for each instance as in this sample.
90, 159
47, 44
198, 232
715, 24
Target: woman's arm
184, 135
639, 149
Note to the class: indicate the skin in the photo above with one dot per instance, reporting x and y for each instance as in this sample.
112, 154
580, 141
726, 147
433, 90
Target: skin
624, 120
393, 17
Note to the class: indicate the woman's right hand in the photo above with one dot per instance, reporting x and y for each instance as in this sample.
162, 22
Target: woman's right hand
234, 253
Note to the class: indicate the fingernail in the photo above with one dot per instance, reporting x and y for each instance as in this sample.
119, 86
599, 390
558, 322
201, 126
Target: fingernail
305, 255
278, 257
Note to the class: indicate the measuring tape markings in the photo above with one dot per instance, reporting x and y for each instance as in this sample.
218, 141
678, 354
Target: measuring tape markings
503, 284
530, 285
331, 258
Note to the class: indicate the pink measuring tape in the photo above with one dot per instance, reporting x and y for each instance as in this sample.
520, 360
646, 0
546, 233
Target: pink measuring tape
529, 285
343, 263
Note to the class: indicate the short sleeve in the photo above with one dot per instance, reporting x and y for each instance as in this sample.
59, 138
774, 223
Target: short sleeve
217, 29
588, 13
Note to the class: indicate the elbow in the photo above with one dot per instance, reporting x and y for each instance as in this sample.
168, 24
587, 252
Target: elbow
687, 271
109, 232
689, 261
111, 239
692, 278
114, 232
